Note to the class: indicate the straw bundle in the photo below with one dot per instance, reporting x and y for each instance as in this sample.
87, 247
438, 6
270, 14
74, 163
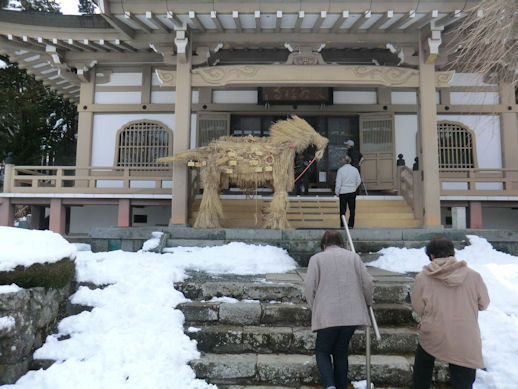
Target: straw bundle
249, 162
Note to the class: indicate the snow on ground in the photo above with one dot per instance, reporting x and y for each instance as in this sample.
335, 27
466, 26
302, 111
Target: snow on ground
499, 323
25, 247
133, 337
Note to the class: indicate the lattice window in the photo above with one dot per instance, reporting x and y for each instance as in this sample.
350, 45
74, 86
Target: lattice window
141, 143
212, 126
456, 146
377, 135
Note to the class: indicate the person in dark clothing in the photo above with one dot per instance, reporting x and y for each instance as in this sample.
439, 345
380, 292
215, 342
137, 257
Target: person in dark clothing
300, 165
355, 155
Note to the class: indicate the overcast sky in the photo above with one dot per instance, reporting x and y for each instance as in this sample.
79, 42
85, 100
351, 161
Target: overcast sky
69, 7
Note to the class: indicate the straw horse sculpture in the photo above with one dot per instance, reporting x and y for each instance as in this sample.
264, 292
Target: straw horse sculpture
249, 162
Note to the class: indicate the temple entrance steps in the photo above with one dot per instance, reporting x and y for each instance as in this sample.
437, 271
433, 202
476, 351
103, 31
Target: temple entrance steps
315, 211
303, 243
255, 331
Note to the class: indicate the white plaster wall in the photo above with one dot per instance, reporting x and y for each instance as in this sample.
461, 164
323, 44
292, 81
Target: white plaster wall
404, 97
405, 130
124, 79
455, 186
468, 79
163, 97
487, 137
128, 97
238, 97
105, 127
157, 215
169, 97
88, 216
500, 218
154, 79
355, 97
474, 98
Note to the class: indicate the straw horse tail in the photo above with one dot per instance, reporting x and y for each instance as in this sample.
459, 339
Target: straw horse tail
199, 154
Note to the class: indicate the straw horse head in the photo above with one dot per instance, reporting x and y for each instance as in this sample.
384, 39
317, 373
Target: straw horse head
249, 162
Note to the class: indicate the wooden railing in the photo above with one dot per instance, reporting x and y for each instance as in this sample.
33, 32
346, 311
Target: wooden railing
458, 182
94, 179
479, 182
409, 187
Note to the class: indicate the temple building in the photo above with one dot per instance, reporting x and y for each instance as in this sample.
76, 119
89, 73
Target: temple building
151, 78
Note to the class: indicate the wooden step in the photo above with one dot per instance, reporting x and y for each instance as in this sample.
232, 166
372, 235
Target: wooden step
315, 213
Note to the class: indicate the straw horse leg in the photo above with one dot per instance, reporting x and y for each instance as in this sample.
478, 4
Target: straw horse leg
211, 210
276, 217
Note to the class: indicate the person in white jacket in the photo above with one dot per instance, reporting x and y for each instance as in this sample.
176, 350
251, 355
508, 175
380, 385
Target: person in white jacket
347, 182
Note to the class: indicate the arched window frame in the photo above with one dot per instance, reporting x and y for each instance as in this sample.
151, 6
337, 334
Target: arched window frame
455, 152
144, 150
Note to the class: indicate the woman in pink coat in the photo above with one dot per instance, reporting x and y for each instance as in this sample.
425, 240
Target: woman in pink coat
338, 289
447, 295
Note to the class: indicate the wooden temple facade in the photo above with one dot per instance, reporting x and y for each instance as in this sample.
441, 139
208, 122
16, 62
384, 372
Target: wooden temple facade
151, 78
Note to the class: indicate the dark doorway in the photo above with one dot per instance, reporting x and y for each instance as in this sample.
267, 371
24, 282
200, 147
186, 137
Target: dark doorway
338, 129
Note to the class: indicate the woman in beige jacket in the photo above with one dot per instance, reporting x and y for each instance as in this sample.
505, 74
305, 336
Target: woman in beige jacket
447, 295
338, 289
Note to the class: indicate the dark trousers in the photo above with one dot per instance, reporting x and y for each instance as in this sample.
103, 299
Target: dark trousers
461, 377
302, 181
333, 341
348, 200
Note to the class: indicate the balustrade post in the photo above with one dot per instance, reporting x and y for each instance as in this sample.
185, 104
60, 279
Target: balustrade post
417, 195
8, 177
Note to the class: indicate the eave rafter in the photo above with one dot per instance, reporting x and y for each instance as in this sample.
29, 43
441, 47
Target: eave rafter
127, 29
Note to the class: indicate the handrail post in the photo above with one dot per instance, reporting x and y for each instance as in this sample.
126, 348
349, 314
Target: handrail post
371, 315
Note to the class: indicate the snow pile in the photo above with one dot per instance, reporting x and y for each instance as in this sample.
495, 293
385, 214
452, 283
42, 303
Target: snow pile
7, 323
154, 242
235, 258
26, 247
499, 323
3, 65
13, 288
133, 337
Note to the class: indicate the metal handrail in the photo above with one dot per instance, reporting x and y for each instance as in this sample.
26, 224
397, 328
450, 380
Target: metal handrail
371, 315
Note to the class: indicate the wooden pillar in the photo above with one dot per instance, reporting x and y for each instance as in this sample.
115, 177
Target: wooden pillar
57, 218
509, 132
6, 212
124, 213
145, 97
85, 123
475, 214
182, 136
429, 160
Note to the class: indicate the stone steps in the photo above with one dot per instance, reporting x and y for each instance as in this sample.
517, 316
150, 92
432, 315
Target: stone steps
296, 370
385, 291
280, 314
263, 338
228, 339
